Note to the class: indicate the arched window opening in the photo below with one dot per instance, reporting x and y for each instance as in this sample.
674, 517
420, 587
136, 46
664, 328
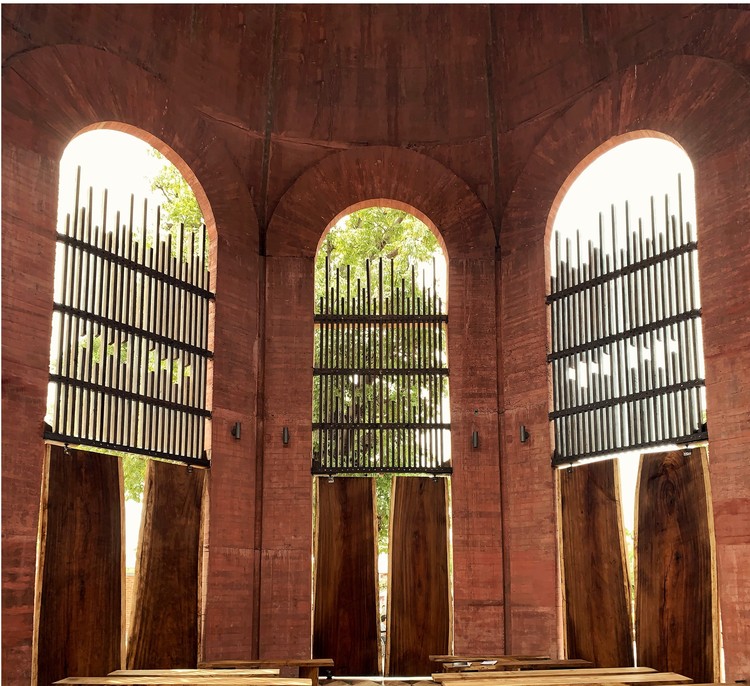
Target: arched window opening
628, 382
130, 346
380, 410
130, 349
381, 372
626, 353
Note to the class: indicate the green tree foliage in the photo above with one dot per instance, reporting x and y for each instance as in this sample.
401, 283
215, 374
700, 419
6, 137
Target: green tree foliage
370, 234
134, 475
180, 205
383, 483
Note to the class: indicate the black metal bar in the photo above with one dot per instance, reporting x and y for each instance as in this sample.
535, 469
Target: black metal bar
124, 261
625, 335
628, 268
698, 437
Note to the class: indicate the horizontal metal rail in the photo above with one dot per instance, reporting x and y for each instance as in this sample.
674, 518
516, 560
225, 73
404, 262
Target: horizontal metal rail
633, 397
385, 371
690, 439
626, 335
622, 271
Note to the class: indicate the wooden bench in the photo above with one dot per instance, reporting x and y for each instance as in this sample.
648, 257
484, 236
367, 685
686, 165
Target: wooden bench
547, 678
512, 663
479, 658
183, 680
308, 668
453, 678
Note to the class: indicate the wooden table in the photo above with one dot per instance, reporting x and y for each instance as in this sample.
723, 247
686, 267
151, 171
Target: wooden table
453, 678
183, 680
195, 672
509, 663
546, 678
308, 668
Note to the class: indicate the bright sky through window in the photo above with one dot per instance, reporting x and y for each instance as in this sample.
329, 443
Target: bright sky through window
634, 172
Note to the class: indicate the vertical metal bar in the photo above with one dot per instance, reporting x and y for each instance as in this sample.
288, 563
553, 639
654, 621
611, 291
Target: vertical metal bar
183, 308
565, 435
89, 404
603, 297
443, 394
326, 379
585, 298
569, 435
360, 363
689, 344
369, 436
695, 323
416, 363
331, 294
392, 364
381, 345
579, 338
162, 350
429, 432
627, 322
349, 352
73, 323
397, 378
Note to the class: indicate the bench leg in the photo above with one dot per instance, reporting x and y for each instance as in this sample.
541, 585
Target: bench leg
309, 673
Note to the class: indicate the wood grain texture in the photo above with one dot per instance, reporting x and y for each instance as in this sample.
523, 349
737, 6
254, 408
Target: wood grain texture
676, 619
418, 586
597, 593
264, 663
523, 665
346, 604
551, 679
581, 672
474, 657
165, 617
195, 672
80, 595
182, 680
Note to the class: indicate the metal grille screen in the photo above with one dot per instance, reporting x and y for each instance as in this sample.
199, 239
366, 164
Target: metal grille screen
626, 355
130, 336
380, 376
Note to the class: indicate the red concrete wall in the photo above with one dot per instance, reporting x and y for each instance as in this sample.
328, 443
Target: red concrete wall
472, 116
714, 130
417, 183
43, 110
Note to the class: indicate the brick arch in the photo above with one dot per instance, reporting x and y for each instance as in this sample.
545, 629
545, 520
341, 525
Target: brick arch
394, 176
52, 94
701, 104
414, 182
60, 87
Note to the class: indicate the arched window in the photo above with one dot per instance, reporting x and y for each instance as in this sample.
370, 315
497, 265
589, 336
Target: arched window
130, 344
626, 352
381, 370
381, 427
